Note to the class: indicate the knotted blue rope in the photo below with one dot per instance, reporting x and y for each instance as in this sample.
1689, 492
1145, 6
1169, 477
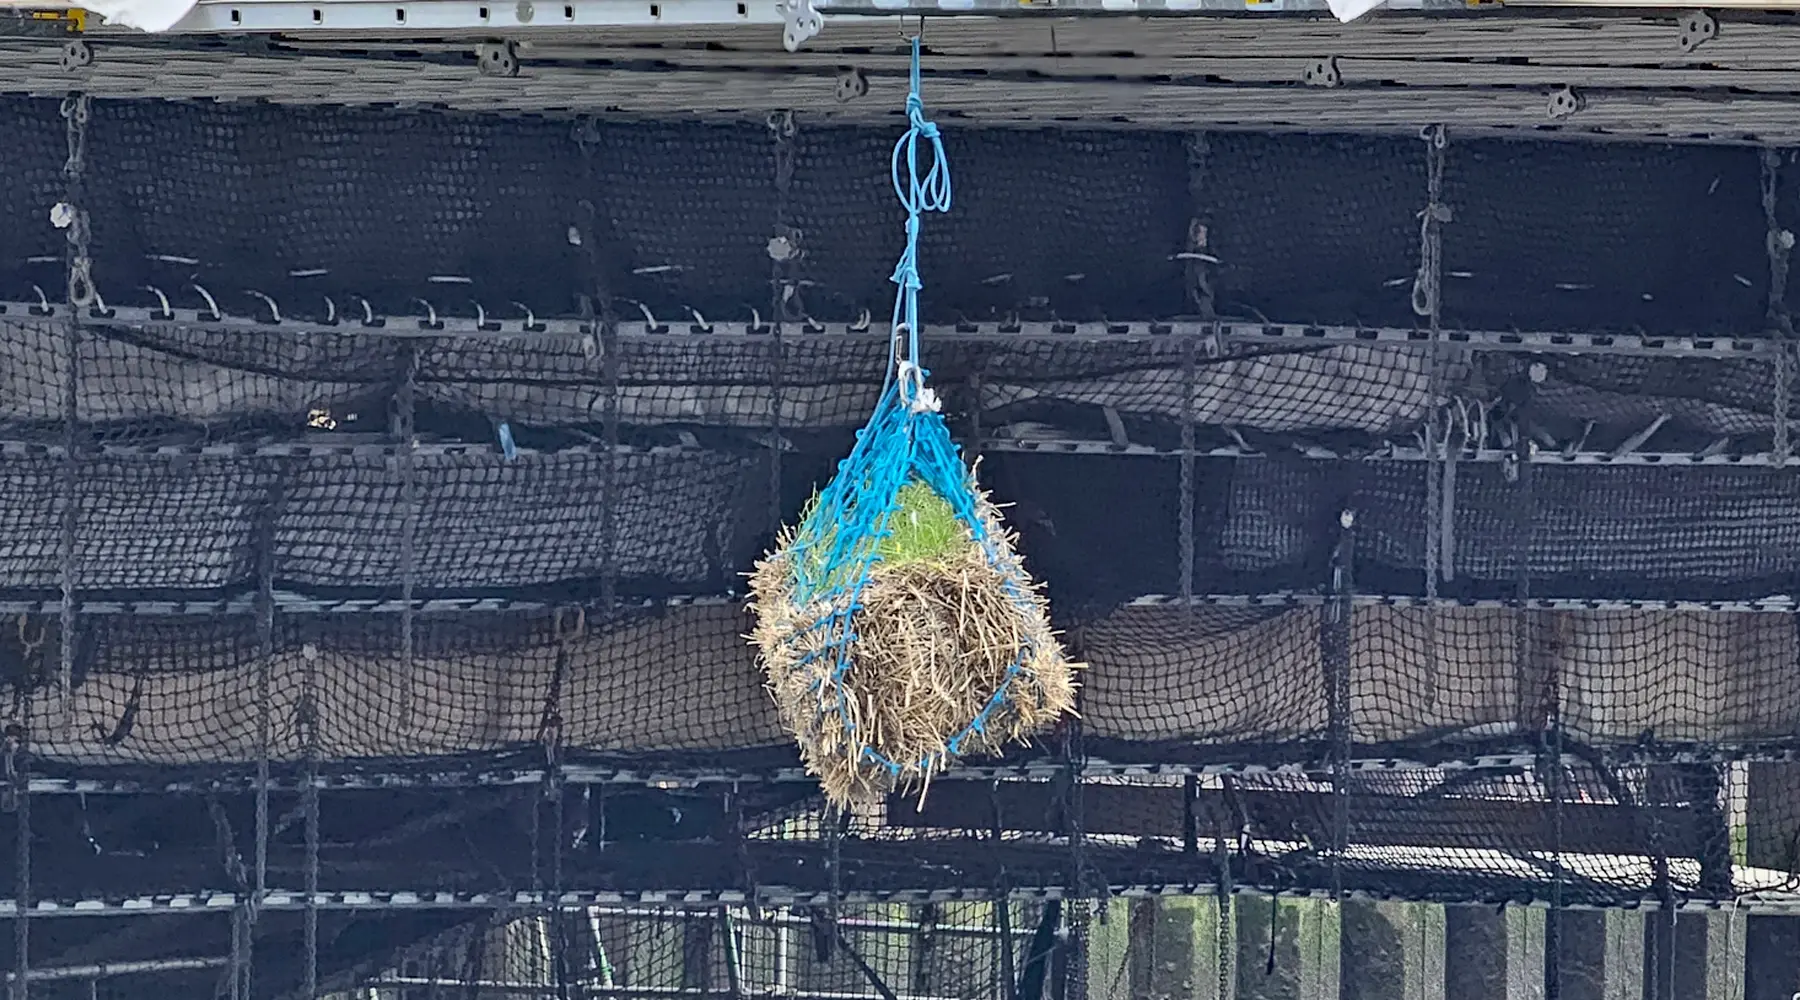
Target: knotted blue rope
918, 195
906, 439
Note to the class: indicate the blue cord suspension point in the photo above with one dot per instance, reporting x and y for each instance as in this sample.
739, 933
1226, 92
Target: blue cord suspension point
837, 545
918, 195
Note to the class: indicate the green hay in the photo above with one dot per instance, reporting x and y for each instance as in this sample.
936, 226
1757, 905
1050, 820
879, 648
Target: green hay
923, 529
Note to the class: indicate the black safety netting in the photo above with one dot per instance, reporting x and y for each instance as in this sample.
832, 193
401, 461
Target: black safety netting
676, 685
1565, 237
1380, 617
309, 204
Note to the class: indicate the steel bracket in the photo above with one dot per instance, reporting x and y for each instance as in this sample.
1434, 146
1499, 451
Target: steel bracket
1697, 28
77, 55
1322, 73
851, 84
800, 22
1565, 102
497, 59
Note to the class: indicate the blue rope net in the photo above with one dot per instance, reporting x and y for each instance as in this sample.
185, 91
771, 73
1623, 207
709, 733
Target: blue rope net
837, 547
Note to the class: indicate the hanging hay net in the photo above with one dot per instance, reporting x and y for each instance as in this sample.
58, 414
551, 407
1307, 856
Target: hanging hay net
897, 625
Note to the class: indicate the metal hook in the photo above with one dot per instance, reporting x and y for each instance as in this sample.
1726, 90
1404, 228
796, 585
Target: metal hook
43, 306
274, 310
649, 318
167, 313
576, 630
368, 311
210, 302
862, 323
480, 316
431, 322
700, 322
530, 320
755, 319
330, 312
99, 303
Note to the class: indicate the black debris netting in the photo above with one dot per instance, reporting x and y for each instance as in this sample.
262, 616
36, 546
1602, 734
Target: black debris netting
1548, 236
310, 204
381, 553
676, 686
446, 523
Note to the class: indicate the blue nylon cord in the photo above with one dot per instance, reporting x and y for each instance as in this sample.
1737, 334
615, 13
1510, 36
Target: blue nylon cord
918, 195
836, 547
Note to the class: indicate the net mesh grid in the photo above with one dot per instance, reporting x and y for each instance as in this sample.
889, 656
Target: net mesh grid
1618, 725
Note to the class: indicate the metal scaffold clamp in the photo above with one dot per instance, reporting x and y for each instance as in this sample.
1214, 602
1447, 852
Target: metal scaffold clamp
800, 22
1697, 28
497, 59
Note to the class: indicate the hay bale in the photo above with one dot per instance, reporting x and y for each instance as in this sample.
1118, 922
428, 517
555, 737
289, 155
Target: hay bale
952, 631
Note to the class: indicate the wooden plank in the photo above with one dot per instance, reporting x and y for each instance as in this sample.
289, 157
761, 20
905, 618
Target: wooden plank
1573, 40
1215, 68
1671, 115
1375, 820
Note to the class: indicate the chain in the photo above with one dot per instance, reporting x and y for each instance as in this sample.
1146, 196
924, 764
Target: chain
72, 217
600, 311
1336, 657
1189, 385
309, 805
1779, 244
19, 791
784, 253
1197, 257
1427, 302
265, 657
1225, 932
551, 736
1427, 285
1526, 671
407, 459
1662, 975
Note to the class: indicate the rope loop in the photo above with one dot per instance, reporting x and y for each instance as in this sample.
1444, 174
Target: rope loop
919, 192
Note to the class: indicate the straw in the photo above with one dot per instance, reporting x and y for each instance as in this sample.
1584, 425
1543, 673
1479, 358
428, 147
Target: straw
934, 641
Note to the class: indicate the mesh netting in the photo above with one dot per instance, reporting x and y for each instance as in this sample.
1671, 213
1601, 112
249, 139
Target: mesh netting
1078, 225
1328, 655
1209, 685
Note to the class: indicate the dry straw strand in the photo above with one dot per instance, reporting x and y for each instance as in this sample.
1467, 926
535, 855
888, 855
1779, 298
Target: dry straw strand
935, 640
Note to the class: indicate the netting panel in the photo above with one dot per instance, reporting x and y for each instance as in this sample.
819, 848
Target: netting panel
357, 204
1548, 236
186, 522
171, 691
1321, 228
489, 522
1619, 532
1442, 680
1082, 224
1324, 229
1703, 400
31, 252
1165, 683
